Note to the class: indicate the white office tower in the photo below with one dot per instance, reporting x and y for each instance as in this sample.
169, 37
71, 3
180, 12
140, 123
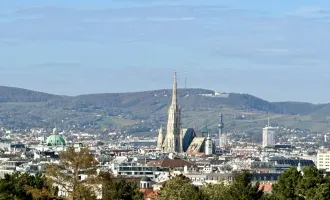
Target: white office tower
223, 141
208, 145
268, 136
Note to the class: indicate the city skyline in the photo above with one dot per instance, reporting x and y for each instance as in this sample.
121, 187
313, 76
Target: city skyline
277, 52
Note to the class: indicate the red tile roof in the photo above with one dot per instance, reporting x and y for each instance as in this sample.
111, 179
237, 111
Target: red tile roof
150, 193
266, 187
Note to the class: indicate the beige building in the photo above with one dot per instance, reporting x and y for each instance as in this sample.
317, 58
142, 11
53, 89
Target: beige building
323, 160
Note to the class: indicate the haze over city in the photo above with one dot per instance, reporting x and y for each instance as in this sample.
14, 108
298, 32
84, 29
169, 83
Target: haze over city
275, 50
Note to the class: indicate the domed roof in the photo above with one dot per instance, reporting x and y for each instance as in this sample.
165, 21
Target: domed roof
145, 179
205, 130
55, 140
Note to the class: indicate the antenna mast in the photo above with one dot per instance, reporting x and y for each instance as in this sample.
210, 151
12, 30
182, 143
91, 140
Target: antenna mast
268, 121
185, 78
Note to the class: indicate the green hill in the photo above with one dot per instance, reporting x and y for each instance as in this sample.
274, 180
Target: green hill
25, 108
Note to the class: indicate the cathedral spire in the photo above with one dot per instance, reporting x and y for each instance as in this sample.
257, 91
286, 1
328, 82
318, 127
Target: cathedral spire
172, 141
174, 95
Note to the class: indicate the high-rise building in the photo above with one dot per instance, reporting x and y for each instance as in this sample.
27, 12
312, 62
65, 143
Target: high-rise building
222, 136
268, 136
173, 138
223, 141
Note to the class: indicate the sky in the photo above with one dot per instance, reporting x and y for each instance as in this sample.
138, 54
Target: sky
275, 49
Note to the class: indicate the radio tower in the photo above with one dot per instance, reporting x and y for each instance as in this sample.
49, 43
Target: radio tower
185, 77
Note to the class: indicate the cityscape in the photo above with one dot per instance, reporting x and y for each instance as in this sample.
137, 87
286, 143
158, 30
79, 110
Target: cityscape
172, 143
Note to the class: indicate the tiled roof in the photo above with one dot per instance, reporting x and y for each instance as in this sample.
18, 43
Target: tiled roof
171, 163
266, 187
196, 144
150, 193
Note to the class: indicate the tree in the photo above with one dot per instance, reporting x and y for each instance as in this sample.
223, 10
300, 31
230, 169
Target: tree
286, 186
179, 188
243, 189
218, 191
310, 185
119, 189
25, 186
67, 174
312, 181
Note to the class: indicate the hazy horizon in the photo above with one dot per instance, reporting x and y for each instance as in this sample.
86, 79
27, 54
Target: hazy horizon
275, 50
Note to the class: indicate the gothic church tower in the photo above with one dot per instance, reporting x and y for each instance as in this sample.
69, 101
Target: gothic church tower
160, 139
172, 141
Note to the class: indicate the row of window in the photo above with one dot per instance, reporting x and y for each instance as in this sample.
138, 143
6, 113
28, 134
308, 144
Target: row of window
136, 173
213, 178
324, 155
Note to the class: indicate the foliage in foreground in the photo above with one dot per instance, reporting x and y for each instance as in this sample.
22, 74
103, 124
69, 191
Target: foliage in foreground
67, 174
118, 189
24, 186
180, 188
310, 184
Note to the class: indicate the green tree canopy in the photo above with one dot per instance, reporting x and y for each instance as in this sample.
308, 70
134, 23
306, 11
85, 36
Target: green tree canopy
119, 189
179, 188
243, 189
23, 186
218, 191
310, 184
286, 186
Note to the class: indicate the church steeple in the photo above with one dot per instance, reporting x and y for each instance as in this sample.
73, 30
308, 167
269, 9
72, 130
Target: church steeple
172, 141
174, 93
160, 139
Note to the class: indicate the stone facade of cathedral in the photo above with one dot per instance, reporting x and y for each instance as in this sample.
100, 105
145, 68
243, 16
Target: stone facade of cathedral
173, 139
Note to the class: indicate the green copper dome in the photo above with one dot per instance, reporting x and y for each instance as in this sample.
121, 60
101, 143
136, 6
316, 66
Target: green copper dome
55, 140
205, 130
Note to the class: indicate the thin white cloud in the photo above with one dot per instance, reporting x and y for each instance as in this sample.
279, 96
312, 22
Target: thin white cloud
310, 12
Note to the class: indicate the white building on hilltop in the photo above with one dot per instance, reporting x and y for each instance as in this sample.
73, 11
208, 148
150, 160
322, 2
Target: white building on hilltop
268, 136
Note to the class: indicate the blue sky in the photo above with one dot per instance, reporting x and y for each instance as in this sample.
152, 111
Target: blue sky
276, 50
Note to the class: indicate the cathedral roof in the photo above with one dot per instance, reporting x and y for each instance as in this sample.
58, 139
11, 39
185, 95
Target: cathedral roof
171, 163
196, 145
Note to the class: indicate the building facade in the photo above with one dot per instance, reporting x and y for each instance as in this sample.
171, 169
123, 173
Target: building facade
268, 136
323, 160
